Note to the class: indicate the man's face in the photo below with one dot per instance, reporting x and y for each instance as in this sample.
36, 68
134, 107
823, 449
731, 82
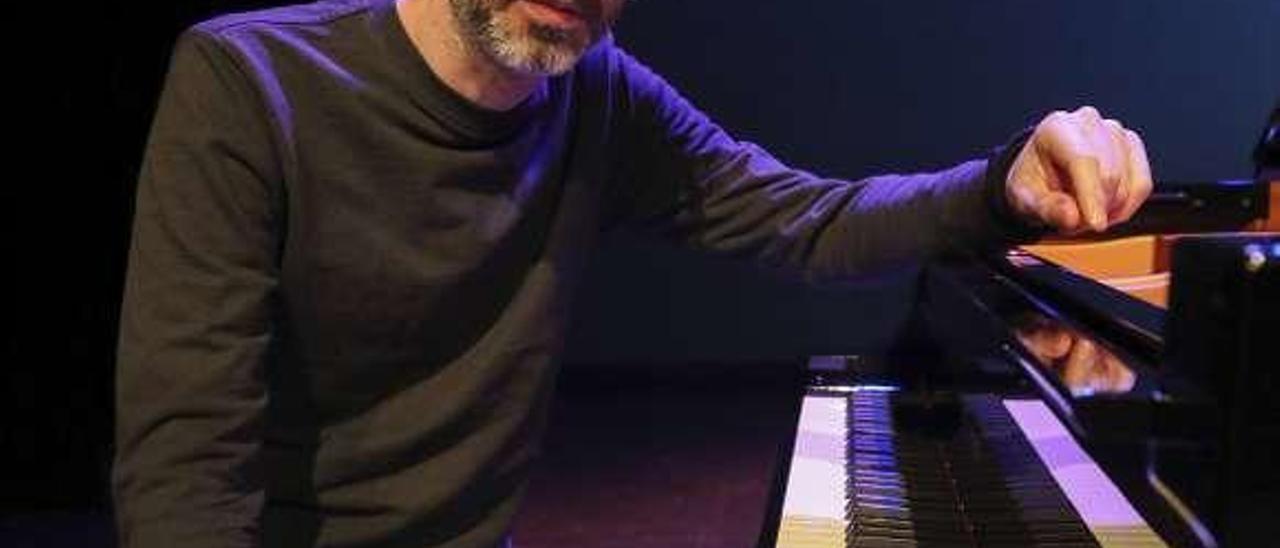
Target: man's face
543, 37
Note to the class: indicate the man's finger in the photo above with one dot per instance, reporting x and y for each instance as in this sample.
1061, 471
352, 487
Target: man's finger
1051, 207
1105, 144
1060, 210
1085, 186
1067, 148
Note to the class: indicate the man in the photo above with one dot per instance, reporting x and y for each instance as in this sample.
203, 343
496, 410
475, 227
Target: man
359, 223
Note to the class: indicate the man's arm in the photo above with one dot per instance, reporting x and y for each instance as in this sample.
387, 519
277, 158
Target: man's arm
683, 175
196, 325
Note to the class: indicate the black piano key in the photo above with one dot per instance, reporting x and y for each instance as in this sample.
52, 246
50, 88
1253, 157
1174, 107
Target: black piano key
915, 474
875, 542
1005, 520
916, 531
1028, 537
903, 517
871, 475
909, 492
919, 504
930, 528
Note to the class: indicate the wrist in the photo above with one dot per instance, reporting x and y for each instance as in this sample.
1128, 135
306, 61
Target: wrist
1017, 227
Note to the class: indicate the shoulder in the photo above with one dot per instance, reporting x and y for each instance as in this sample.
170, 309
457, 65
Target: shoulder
300, 16
255, 34
267, 44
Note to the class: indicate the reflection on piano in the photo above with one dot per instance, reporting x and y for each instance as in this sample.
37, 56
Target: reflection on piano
1031, 405
1083, 366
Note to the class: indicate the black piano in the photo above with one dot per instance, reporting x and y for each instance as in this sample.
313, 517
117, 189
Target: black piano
1030, 405
1034, 406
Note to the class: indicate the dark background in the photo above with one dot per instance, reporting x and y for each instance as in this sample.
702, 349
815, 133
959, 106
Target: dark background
846, 88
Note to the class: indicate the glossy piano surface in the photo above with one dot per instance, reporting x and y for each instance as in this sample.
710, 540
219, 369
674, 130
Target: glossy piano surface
1182, 443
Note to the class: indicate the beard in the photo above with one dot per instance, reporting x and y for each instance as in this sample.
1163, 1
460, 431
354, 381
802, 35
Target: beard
528, 47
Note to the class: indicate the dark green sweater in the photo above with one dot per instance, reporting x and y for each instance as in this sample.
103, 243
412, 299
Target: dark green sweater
348, 286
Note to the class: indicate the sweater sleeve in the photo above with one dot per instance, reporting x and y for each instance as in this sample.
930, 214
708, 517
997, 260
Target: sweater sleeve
196, 324
681, 175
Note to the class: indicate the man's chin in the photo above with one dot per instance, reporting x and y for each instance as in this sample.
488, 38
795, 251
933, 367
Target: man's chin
542, 54
543, 63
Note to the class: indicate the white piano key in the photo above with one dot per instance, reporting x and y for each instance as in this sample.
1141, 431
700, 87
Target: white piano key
1103, 508
813, 508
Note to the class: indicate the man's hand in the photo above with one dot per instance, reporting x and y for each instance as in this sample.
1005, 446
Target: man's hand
1079, 172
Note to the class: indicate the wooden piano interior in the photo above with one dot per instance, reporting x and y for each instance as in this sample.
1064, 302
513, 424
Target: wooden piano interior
1136, 264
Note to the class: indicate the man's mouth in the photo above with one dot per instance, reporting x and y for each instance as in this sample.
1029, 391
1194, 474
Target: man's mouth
560, 14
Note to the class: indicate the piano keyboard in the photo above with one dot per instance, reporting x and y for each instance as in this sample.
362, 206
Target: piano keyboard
874, 467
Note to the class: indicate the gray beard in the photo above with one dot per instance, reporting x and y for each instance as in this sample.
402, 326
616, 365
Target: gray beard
543, 50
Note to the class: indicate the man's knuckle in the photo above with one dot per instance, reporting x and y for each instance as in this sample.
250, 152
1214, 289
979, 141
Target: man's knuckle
1135, 138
